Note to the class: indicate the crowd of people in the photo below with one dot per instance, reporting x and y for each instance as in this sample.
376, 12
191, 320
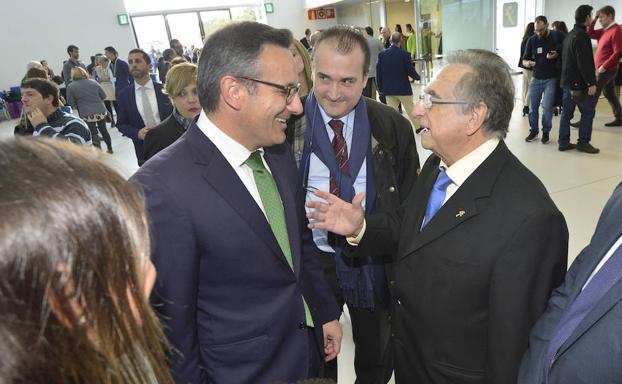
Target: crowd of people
561, 72
272, 192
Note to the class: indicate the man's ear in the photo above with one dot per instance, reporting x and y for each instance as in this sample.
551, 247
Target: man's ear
233, 92
478, 116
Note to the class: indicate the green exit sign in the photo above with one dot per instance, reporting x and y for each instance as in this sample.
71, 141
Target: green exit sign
269, 7
123, 19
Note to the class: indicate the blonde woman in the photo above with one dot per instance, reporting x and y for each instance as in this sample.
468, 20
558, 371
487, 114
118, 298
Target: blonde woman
181, 88
103, 75
87, 96
303, 66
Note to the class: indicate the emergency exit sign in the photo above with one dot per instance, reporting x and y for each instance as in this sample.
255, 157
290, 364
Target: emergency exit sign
123, 19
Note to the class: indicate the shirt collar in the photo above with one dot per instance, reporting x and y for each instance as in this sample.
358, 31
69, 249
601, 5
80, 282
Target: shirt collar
463, 168
148, 85
347, 119
235, 153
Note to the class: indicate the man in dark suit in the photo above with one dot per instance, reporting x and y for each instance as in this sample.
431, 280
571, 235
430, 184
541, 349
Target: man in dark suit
578, 338
393, 70
239, 288
143, 106
480, 244
347, 143
120, 70
305, 39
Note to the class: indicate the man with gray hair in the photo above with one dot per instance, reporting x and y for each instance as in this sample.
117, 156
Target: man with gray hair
239, 287
480, 244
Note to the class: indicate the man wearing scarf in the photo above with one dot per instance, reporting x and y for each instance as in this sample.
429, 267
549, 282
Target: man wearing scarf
345, 143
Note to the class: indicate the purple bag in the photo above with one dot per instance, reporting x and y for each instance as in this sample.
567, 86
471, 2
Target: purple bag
15, 109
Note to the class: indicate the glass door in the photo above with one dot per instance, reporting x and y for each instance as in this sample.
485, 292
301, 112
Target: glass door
185, 28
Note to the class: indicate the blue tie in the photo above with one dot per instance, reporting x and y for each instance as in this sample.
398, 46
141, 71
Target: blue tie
587, 299
437, 196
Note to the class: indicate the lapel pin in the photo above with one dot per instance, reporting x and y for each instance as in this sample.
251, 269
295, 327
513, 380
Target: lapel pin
460, 213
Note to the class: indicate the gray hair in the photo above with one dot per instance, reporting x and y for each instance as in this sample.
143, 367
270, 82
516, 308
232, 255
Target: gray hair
234, 51
489, 82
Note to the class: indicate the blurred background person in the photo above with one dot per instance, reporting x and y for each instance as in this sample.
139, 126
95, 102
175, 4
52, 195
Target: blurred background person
181, 88
49, 70
87, 96
103, 75
75, 270
303, 66
527, 71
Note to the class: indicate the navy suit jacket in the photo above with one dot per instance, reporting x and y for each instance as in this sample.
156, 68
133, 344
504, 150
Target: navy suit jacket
129, 121
593, 352
392, 71
229, 300
122, 76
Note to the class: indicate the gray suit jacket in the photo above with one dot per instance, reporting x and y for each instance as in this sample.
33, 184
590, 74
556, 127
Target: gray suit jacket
87, 96
593, 352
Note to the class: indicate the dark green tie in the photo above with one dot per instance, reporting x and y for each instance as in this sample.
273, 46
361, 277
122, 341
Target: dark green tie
273, 206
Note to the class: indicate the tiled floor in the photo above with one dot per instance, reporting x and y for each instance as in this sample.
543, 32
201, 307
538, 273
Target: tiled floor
579, 183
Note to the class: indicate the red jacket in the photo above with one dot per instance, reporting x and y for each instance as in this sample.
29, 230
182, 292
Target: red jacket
609, 46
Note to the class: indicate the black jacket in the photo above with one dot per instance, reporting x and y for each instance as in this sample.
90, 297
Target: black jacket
161, 136
578, 71
394, 156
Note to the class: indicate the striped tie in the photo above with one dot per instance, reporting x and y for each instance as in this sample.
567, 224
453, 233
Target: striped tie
341, 154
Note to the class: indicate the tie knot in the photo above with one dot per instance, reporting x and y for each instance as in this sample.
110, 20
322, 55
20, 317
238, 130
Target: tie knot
337, 126
254, 161
443, 180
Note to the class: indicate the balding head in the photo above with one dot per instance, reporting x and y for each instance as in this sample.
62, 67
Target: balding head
396, 38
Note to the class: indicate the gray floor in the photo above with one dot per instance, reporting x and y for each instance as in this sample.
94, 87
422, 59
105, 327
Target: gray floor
579, 183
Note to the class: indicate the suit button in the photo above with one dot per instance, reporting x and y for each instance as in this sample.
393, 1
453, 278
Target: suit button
399, 302
391, 189
381, 152
392, 283
302, 326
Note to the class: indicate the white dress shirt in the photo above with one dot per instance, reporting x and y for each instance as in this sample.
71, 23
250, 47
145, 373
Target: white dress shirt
235, 154
151, 95
318, 175
460, 171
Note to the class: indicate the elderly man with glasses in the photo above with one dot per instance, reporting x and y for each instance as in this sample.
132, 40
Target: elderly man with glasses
240, 290
346, 143
478, 244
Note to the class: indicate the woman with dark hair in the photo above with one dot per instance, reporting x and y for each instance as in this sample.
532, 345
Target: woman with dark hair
527, 72
559, 26
75, 271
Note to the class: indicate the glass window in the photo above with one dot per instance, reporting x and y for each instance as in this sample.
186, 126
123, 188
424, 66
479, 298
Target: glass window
150, 33
185, 28
212, 20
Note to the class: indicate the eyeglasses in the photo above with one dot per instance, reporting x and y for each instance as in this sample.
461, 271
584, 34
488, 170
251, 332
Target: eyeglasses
290, 90
429, 100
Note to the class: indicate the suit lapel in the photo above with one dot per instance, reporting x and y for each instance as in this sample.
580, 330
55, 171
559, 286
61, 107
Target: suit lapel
289, 205
225, 181
134, 112
462, 204
609, 300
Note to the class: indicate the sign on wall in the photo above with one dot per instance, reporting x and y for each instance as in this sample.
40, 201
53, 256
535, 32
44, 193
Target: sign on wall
321, 13
123, 19
510, 14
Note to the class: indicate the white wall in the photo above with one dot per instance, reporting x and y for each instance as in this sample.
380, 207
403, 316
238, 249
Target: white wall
292, 14
361, 15
564, 9
42, 30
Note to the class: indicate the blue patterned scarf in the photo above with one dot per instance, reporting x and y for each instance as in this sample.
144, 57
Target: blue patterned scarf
358, 277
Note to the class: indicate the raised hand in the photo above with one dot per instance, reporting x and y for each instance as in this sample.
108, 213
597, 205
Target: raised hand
337, 216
